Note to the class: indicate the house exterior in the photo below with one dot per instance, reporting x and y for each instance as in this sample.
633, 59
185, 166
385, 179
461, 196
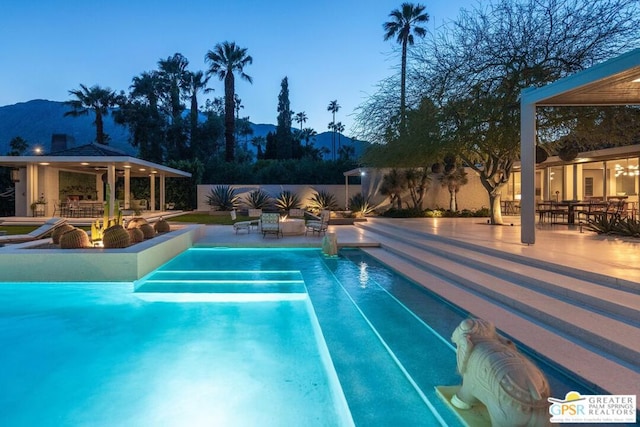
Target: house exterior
80, 173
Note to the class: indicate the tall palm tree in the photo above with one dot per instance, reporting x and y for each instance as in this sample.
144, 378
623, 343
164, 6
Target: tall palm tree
174, 76
301, 118
333, 108
96, 99
404, 23
339, 128
196, 82
226, 59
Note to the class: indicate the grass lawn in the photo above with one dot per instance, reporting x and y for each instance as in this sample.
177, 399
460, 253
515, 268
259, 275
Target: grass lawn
193, 218
205, 218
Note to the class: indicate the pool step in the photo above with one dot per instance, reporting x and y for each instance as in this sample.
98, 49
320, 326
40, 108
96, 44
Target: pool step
222, 282
597, 316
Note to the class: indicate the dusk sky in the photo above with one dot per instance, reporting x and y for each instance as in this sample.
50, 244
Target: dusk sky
328, 49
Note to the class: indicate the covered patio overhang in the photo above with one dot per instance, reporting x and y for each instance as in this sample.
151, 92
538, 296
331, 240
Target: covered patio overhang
614, 82
35, 176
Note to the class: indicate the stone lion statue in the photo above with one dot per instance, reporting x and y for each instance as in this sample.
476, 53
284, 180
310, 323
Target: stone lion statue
493, 372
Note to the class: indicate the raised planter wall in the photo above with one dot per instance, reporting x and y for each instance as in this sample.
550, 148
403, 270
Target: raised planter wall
18, 263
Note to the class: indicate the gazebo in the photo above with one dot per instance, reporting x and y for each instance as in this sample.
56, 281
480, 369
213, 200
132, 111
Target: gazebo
613, 82
39, 176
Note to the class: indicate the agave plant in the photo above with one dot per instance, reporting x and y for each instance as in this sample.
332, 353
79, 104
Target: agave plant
258, 199
602, 224
224, 197
287, 200
628, 227
361, 206
323, 200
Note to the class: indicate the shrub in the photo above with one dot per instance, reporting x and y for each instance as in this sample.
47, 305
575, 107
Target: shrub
287, 200
258, 199
360, 205
223, 197
323, 200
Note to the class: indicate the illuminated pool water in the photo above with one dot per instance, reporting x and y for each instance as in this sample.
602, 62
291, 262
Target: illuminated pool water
205, 340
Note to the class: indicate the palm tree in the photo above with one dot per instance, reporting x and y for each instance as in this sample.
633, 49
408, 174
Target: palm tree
453, 179
96, 99
339, 127
174, 76
196, 82
403, 25
333, 108
301, 118
225, 59
307, 134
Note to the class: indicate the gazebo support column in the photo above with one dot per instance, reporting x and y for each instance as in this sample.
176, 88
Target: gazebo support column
111, 180
127, 188
163, 202
152, 179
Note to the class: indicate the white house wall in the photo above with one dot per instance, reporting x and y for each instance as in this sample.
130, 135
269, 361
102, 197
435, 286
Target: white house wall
471, 196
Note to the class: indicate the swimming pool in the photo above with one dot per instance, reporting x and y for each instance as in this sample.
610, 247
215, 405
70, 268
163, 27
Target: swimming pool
205, 340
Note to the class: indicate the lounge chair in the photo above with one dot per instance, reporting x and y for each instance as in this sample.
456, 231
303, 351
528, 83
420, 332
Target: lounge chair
36, 234
240, 225
255, 213
320, 225
270, 224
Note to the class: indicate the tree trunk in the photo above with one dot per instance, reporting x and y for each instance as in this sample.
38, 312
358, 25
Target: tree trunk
495, 209
100, 139
453, 206
229, 119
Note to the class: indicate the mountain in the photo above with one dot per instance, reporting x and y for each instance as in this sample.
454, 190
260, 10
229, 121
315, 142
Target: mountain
37, 120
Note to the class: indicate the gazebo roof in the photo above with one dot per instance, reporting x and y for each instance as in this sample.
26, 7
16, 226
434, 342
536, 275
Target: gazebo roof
94, 158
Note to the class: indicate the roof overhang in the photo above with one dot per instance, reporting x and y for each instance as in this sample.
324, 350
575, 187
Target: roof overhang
95, 165
613, 82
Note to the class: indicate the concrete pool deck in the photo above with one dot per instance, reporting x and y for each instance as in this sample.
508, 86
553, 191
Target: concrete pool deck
607, 255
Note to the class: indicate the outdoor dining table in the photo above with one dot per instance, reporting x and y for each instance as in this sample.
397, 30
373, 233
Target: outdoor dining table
571, 206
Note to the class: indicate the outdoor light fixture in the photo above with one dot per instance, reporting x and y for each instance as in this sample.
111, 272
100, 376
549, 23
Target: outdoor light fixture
15, 175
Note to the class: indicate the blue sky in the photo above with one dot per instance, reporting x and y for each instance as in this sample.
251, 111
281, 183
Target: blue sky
328, 49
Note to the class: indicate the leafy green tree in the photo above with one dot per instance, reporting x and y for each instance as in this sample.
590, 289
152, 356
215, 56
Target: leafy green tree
393, 184
96, 99
224, 60
404, 24
259, 142
270, 151
284, 137
477, 66
140, 113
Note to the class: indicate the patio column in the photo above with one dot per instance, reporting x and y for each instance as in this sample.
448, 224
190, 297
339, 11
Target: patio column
162, 191
152, 178
32, 187
528, 161
127, 188
111, 181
